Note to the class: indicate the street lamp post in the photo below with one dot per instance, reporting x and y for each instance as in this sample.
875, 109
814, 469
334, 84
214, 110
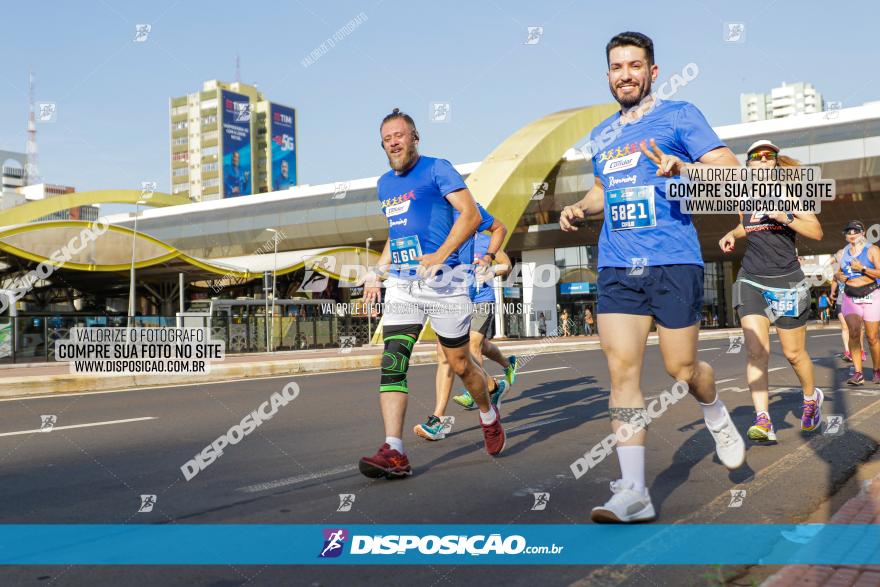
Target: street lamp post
131, 286
369, 313
274, 281
266, 312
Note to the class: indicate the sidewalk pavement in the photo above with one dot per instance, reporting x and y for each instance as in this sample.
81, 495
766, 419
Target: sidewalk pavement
25, 379
864, 508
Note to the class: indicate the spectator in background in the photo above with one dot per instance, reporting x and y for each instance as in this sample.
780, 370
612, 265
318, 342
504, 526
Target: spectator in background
588, 322
823, 304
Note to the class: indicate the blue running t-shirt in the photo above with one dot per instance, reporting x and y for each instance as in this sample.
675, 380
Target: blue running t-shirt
486, 291
466, 250
418, 213
640, 223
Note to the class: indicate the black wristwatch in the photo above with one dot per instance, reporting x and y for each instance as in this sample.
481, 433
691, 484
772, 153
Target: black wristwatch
488, 254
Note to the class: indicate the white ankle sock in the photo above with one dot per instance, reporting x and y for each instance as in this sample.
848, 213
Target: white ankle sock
713, 412
632, 465
395, 443
488, 417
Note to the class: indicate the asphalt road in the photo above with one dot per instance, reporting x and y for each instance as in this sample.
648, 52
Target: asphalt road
293, 468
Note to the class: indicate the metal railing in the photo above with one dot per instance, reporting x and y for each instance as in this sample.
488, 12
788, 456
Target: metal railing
31, 339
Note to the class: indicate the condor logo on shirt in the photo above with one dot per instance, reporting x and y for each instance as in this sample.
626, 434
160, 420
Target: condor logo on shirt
622, 163
394, 206
397, 209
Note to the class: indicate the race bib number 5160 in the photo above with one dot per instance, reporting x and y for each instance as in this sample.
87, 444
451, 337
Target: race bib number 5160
405, 250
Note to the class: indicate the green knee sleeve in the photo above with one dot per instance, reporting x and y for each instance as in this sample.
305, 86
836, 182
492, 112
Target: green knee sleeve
395, 361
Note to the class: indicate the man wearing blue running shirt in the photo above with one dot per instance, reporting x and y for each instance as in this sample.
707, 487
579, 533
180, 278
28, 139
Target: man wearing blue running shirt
483, 321
484, 250
650, 266
425, 278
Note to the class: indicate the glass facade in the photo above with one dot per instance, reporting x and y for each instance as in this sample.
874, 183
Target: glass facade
512, 293
714, 301
576, 290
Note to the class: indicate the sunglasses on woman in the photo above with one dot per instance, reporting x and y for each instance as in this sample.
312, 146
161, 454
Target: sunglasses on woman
853, 231
758, 155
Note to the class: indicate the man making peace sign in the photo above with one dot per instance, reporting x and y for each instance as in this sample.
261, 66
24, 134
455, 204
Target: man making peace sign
650, 266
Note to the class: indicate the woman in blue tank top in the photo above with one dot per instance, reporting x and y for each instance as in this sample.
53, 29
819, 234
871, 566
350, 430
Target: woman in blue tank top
858, 269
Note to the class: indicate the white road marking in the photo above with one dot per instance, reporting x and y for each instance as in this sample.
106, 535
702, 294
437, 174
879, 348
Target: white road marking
537, 424
821, 335
651, 397
175, 385
775, 369
288, 376
54, 428
298, 479
518, 373
711, 348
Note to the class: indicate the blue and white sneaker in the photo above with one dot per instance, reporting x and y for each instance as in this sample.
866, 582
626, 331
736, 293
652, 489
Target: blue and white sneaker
432, 429
495, 396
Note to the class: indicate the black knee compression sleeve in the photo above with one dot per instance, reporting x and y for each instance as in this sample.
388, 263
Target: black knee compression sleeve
455, 343
399, 341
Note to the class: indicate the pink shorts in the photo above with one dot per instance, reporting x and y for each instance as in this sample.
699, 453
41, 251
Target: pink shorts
869, 312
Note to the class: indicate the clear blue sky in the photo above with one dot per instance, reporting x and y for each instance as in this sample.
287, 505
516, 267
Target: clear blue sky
112, 94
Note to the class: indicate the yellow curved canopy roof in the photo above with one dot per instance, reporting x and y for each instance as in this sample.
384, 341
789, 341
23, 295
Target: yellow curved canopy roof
41, 241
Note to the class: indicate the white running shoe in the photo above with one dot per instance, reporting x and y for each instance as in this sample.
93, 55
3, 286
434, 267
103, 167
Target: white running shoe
728, 443
625, 506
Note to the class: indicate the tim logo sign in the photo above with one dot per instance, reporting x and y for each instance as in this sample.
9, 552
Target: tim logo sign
334, 541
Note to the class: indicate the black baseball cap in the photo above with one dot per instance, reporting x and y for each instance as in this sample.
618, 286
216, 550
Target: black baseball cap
854, 225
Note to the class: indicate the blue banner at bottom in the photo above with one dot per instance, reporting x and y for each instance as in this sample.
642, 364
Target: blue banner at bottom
246, 544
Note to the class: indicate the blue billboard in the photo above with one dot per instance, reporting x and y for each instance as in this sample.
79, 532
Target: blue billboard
577, 287
282, 129
236, 138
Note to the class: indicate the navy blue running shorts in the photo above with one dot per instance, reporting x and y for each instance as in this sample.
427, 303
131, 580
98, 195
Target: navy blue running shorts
672, 294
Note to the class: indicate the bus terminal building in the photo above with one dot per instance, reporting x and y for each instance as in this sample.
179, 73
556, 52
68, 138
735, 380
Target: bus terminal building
224, 248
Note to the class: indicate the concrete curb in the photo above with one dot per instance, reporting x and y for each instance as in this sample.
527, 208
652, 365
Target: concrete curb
40, 385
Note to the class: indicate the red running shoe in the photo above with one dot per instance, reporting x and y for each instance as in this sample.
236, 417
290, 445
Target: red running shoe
494, 435
387, 463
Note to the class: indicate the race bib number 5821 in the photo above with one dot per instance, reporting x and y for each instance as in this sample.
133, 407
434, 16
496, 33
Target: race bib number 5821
631, 207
